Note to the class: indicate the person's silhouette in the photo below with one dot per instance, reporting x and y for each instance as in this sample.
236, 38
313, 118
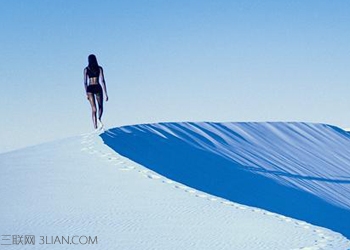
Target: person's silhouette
93, 88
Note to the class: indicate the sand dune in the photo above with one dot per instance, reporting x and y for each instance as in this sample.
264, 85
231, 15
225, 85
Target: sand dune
81, 187
296, 169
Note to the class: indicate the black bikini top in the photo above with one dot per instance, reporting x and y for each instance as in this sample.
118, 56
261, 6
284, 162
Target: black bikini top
92, 73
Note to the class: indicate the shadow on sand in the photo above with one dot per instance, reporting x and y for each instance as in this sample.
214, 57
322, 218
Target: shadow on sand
213, 174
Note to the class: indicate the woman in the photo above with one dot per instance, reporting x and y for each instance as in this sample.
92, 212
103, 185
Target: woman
94, 73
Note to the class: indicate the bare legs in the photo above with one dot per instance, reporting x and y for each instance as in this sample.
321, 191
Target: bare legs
99, 98
91, 98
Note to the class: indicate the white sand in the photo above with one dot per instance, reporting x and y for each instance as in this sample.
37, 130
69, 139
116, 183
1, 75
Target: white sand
79, 186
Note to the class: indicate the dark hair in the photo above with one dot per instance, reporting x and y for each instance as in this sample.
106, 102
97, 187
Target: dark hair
93, 65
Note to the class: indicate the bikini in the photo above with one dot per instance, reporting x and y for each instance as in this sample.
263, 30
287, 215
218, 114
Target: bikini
93, 88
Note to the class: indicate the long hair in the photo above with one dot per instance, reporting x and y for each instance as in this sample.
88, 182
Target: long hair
93, 65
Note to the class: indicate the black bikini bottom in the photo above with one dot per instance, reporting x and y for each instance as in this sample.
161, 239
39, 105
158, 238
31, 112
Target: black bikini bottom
94, 89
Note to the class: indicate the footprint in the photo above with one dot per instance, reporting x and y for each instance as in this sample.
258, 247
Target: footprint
229, 203
192, 191
256, 210
112, 158
201, 195
168, 181
153, 176
126, 168
181, 187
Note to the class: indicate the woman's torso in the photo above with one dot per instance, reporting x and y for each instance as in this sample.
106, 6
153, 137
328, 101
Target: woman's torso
93, 75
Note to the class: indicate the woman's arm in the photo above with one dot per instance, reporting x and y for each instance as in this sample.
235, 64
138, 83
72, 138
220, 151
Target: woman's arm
103, 82
85, 80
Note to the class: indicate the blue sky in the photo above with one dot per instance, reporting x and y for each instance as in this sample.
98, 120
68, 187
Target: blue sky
179, 60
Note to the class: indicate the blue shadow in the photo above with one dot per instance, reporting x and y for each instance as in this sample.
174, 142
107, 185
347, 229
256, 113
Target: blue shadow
213, 174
